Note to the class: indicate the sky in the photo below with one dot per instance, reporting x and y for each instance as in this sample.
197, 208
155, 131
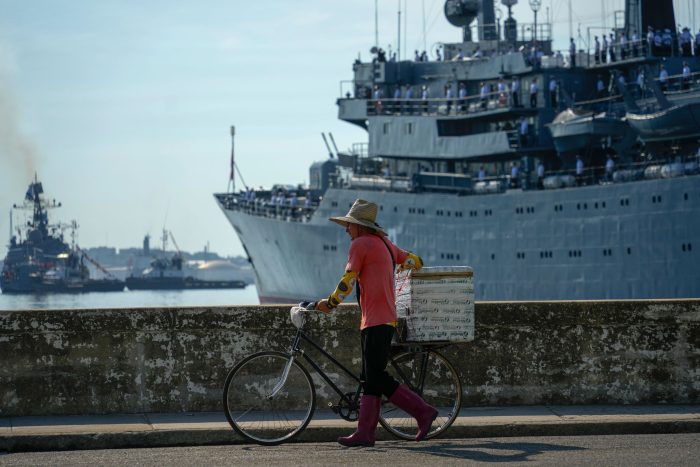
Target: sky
123, 108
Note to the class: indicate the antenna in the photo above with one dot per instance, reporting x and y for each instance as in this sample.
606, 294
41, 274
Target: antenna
232, 177
333, 142
571, 23
164, 238
405, 24
325, 141
424, 41
398, 41
376, 24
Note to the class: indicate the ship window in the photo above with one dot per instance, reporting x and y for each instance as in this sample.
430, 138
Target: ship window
603, 204
687, 247
409, 128
685, 196
395, 209
596, 205
607, 252
454, 127
493, 256
385, 127
629, 250
334, 204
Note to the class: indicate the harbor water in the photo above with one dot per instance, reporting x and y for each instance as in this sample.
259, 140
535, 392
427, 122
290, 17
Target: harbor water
132, 299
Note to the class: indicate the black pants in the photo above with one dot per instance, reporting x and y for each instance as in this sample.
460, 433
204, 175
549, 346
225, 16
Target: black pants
376, 345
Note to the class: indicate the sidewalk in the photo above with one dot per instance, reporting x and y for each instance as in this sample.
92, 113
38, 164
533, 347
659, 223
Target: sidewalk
189, 429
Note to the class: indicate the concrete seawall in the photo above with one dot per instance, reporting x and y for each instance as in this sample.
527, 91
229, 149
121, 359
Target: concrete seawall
57, 362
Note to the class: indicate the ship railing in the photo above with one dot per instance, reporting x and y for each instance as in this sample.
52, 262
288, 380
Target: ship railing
286, 208
598, 101
678, 84
493, 100
360, 149
617, 53
674, 85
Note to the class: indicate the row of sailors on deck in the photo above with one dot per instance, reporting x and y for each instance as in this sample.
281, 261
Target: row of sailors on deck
605, 51
661, 42
487, 91
279, 199
540, 171
500, 91
639, 82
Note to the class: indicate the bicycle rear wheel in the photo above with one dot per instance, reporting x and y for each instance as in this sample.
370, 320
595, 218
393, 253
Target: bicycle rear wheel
261, 405
431, 376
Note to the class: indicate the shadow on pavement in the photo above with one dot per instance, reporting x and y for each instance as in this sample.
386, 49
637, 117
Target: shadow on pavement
489, 451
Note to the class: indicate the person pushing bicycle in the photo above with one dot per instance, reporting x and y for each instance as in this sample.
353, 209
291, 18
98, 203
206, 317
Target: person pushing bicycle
372, 260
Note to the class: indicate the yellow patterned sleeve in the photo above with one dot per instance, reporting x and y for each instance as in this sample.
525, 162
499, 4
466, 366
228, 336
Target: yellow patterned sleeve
345, 286
413, 261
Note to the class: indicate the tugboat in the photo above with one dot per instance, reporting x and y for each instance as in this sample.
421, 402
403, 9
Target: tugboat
468, 166
173, 273
41, 261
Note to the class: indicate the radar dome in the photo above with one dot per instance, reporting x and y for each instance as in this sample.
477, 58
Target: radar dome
461, 13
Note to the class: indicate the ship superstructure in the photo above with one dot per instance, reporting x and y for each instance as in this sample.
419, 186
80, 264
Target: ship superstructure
584, 188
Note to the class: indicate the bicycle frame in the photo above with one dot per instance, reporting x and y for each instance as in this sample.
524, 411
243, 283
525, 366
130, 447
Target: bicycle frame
296, 350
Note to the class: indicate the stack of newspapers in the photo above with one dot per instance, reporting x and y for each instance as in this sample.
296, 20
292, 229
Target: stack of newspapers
436, 304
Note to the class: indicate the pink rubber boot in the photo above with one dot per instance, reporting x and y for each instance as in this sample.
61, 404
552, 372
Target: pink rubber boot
367, 425
411, 403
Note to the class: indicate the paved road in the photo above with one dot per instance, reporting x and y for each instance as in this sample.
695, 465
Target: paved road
676, 449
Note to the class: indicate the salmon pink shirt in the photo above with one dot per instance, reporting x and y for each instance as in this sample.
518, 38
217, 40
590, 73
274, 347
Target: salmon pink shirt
369, 259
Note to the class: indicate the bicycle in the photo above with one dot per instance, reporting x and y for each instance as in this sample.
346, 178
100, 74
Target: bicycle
270, 398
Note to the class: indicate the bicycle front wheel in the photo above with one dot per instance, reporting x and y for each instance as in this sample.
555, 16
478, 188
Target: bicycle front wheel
432, 377
262, 405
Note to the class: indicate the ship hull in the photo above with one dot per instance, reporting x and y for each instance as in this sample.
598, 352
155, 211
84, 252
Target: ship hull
174, 283
610, 241
96, 285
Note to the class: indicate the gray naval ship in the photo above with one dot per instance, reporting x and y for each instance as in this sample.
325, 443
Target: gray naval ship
587, 188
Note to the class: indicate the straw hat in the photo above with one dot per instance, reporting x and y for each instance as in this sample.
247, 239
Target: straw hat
361, 213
